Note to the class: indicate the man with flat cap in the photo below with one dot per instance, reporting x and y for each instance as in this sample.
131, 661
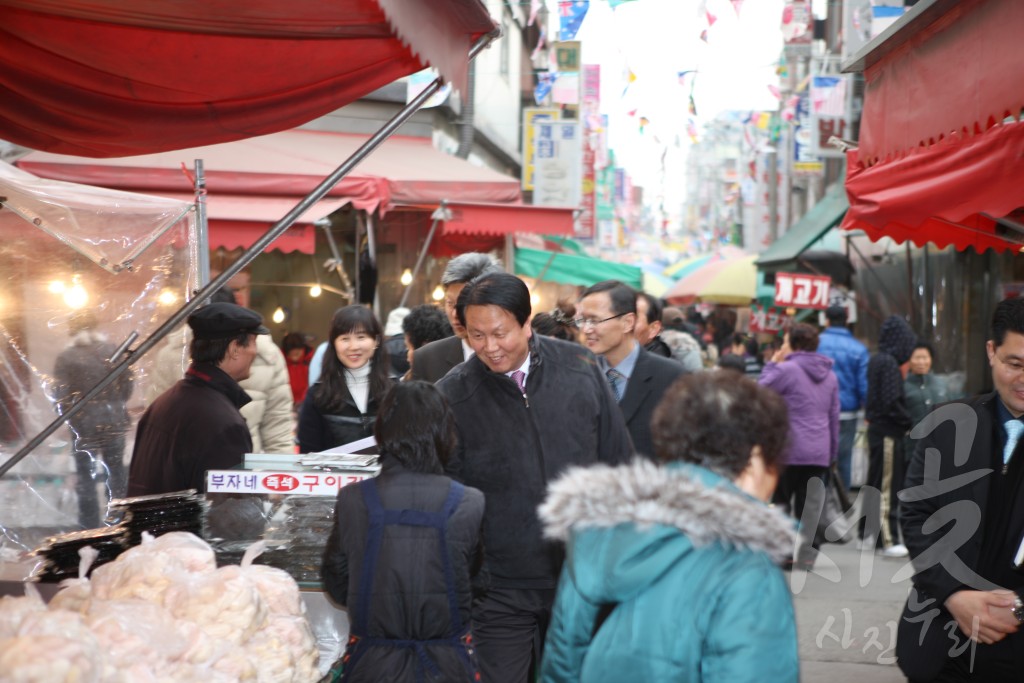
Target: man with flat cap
196, 425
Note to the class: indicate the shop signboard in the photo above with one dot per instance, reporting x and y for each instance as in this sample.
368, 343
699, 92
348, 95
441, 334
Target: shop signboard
798, 290
295, 483
558, 163
829, 114
805, 160
768, 319
530, 117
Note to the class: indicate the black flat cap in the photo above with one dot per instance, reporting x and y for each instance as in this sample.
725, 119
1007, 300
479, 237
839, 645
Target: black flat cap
223, 320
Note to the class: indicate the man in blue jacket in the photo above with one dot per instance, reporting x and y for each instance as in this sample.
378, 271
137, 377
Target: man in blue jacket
850, 363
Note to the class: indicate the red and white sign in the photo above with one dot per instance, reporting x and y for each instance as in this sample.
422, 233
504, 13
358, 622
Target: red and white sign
768, 319
271, 482
796, 290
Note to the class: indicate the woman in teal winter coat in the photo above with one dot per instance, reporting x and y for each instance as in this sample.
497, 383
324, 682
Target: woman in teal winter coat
671, 571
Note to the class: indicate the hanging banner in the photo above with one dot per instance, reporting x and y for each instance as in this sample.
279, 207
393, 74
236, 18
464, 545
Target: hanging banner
590, 91
566, 89
797, 290
570, 17
530, 117
805, 161
829, 114
558, 163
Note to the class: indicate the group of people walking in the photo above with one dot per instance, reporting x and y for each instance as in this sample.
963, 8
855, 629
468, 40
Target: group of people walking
541, 495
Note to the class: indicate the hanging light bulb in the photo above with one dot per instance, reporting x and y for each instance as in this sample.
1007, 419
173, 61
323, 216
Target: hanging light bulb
76, 297
278, 316
56, 287
167, 297
406, 278
534, 299
438, 293
315, 291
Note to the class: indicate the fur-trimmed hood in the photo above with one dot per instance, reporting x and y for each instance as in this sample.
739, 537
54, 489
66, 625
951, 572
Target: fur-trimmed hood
704, 506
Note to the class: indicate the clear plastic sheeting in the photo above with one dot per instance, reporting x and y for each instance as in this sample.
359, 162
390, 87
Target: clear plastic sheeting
81, 270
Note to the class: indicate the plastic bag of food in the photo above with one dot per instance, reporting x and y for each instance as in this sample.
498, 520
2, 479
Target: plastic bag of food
14, 610
76, 594
50, 659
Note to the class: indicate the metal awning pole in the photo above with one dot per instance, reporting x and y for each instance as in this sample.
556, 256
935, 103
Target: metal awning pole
202, 225
251, 253
440, 214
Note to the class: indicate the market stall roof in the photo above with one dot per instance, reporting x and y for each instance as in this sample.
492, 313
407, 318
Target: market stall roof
403, 170
941, 146
732, 282
105, 78
821, 218
570, 269
507, 219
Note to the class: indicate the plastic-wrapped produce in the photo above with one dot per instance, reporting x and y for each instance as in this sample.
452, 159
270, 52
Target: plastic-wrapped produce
224, 603
133, 630
14, 610
76, 594
148, 571
50, 659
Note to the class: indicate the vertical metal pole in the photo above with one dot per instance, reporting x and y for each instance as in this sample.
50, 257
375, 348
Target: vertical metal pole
202, 227
423, 252
771, 160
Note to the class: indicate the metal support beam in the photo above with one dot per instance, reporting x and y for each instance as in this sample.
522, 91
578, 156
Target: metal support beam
251, 253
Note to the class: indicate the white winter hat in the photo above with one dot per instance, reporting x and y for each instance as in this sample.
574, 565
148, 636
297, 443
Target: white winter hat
394, 324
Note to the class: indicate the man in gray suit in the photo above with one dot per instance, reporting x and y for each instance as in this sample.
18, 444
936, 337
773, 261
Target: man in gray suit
432, 361
606, 315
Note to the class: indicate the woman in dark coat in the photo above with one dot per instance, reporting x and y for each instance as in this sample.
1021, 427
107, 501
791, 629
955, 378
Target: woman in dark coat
404, 549
341, 406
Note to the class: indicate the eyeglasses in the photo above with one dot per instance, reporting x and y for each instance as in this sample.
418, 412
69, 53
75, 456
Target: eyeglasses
585, 322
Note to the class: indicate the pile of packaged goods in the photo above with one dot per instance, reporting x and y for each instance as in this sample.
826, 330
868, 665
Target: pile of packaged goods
162, 611
159, 514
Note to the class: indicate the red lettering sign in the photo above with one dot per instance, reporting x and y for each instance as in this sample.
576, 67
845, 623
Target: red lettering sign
797, 290
280, 482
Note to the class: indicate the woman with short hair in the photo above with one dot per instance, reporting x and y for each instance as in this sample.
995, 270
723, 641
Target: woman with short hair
671, 569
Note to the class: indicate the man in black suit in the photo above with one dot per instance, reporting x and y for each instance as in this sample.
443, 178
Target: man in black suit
606, 315
962, 515
432, 361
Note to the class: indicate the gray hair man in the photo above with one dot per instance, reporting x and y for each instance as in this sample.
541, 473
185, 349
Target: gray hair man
432, 361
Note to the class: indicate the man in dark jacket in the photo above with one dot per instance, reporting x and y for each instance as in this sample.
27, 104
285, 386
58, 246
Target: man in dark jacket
607, 316
432, 361
888, 423
526, 408
99, 430
196, 425
648, 325
962, 515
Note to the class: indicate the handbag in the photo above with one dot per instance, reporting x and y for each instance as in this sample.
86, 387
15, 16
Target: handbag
835, 514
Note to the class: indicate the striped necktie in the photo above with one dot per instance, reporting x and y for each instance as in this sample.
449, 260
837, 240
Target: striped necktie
617, 381
520, 379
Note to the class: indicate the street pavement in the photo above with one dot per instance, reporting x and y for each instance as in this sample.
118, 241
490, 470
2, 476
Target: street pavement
847, 608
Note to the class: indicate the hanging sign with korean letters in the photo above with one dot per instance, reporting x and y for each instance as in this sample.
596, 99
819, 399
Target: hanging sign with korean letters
798, 290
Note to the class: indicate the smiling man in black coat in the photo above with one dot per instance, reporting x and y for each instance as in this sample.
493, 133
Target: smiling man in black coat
526, 408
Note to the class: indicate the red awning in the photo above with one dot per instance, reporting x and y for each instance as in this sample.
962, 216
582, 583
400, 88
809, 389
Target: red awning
507, 219
940, 147
403, 170
243, 234
103, 78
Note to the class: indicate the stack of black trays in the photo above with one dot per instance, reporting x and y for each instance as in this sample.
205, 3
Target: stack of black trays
60, 559
159, 514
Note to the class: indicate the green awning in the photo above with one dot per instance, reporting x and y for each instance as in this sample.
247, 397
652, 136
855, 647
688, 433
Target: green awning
821, 218
569, 269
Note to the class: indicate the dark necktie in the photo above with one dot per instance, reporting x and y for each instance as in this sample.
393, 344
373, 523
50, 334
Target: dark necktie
617, 381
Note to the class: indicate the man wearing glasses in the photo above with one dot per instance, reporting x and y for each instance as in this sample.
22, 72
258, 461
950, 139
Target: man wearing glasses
607, 320
962, 515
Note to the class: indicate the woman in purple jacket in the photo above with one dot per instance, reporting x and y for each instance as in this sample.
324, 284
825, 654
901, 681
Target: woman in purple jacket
804, 379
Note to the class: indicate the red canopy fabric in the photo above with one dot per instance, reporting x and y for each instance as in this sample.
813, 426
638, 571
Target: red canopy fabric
104, 78
403, 170
940, 149
508, 219
949, 193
